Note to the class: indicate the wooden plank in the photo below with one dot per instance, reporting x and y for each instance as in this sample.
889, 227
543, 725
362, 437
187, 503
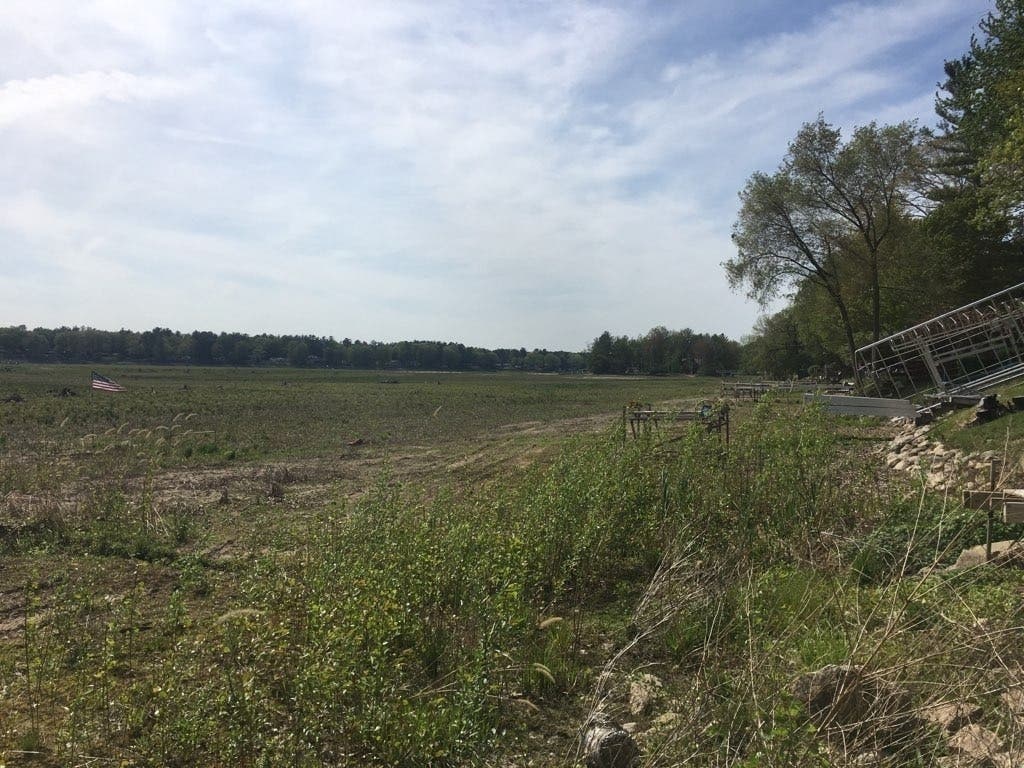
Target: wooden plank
993, 500
848, 405
1013, 512
987, 500
856, 400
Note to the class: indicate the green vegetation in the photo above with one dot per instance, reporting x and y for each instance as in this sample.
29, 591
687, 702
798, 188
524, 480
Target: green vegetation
1002, 435
659, 351
308, 566
279, 413
429, 597
894, 225
662, 351
828, 217
166, 347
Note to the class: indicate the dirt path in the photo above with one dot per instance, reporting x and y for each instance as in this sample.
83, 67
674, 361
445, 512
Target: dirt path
233, 511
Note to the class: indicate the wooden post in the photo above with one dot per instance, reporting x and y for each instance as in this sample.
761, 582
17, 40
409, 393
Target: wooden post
988, 520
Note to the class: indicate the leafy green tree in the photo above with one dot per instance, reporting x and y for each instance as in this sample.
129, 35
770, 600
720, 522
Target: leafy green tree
601, 354
298, 353
37, 345
202, 347
978, 156
624, 355
829, 216
654, 349
775, 348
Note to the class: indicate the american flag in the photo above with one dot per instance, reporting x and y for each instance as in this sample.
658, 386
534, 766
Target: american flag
107, 385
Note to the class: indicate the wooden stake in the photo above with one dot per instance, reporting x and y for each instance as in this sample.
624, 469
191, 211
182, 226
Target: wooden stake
988, 521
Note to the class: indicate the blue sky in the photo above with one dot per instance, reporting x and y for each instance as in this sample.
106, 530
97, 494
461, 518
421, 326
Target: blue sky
495, 173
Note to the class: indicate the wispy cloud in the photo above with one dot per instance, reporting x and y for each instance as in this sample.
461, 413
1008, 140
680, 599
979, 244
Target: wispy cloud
34, 97
501, 174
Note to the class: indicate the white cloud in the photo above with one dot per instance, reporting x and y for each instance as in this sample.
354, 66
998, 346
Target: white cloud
494, 173
20, 99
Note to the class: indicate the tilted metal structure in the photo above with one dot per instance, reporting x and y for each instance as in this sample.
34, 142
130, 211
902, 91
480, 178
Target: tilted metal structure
966, 351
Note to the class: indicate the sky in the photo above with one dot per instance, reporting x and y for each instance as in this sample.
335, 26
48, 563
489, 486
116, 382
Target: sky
500, 174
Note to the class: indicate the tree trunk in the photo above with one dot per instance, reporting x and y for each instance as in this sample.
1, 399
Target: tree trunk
876, 301
851, 345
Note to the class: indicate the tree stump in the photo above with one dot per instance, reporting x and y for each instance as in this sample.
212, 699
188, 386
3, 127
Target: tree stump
606, 744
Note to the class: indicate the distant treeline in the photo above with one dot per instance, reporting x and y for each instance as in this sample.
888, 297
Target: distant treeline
661, 351
166, 347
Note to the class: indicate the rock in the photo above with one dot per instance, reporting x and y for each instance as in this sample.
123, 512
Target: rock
856, 710
1013, 700
832, 693
976, 742
951, 716
666, 720
867, 760
606, 744
1008, 759
901, 442
1004, 553
644, 691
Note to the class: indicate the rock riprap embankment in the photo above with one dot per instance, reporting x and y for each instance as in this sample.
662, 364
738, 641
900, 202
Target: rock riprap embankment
915, 451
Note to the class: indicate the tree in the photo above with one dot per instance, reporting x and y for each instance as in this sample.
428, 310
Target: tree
828, 215
298, 353
978, 187
775, 347
601, 354
654, 350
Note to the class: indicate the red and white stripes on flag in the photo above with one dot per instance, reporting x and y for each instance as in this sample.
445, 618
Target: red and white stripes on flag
105, 384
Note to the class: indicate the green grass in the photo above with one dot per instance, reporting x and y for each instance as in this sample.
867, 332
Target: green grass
1004, 435
265, 413
464, 612
401, 630
99, 554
